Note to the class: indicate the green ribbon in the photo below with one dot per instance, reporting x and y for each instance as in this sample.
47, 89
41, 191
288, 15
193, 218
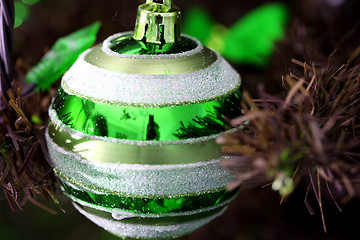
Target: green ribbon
109, 152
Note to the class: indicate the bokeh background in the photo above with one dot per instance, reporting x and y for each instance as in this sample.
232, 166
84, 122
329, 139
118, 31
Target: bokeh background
256, 214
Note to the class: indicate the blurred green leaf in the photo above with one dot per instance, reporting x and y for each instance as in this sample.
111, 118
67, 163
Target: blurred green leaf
249, 41
30, 2
62, 55
35, 119
198, 23
21, 13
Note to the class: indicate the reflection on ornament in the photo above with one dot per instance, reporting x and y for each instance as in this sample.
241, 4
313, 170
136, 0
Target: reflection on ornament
132, 134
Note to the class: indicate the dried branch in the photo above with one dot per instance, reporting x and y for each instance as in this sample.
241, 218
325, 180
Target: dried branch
24, 169
316, 126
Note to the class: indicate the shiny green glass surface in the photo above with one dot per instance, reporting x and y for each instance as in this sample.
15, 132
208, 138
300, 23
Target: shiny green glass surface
151, 205
137, 123
128, 45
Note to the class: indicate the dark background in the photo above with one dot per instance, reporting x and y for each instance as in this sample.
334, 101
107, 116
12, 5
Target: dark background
256, 213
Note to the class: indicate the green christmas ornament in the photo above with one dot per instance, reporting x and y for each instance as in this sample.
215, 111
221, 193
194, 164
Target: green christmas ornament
132, 129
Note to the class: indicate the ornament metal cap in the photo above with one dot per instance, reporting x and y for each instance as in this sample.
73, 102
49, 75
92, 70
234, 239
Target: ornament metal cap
158, 21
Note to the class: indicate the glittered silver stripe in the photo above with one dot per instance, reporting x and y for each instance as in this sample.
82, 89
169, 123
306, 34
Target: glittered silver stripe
139, 180
92, 189
103, 86
54, 118
147, 231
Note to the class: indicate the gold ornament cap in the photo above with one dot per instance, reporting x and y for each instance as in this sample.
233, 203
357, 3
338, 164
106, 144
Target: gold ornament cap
158, 21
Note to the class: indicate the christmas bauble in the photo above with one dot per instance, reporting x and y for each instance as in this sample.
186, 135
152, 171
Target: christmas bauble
132, 136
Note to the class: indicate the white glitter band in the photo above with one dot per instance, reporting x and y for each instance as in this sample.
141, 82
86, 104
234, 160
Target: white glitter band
148, 231
138, 180
103, 86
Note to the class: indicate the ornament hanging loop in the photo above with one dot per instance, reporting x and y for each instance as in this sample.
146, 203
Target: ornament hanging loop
158, 21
